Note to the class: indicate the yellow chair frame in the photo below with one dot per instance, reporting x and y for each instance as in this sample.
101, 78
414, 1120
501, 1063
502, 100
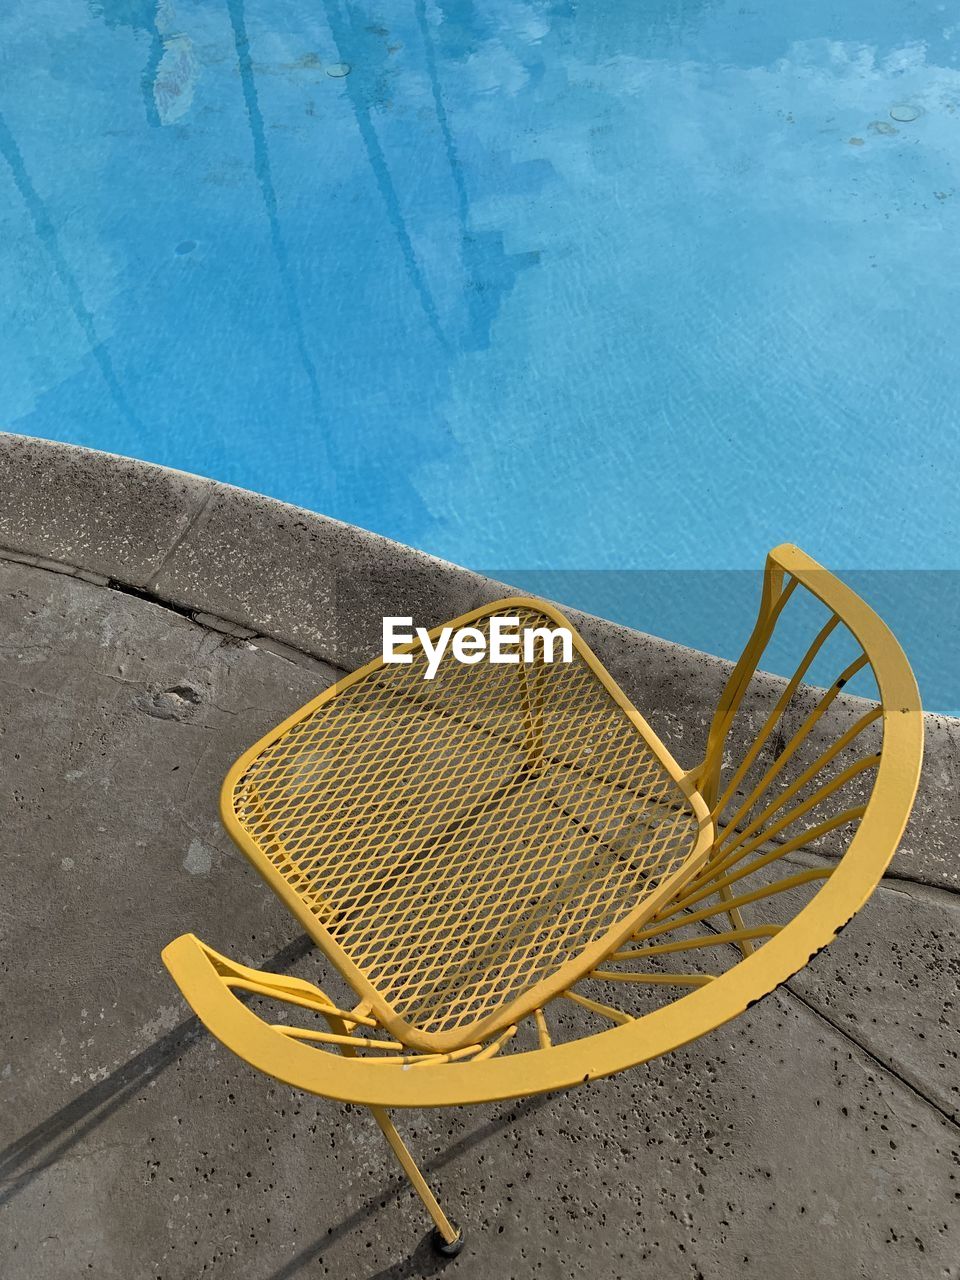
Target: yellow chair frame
667, 851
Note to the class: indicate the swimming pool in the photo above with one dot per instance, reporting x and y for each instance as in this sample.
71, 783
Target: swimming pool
535, 286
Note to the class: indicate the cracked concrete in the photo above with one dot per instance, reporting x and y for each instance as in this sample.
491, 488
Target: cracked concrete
815, 1136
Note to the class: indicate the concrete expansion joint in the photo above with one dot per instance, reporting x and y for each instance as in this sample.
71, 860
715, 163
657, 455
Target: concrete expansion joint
930, 890
895, 881
881, 1064
210, 621
291, 654
38, 562
190, 525
790, 989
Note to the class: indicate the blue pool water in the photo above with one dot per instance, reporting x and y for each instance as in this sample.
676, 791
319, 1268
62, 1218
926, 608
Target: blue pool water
536, 285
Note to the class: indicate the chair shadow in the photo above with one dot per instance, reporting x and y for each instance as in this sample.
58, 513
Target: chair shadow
50, 1140
424, 1261
96, 1104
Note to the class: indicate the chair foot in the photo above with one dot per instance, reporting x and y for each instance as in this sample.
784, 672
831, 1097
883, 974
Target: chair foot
447, 1248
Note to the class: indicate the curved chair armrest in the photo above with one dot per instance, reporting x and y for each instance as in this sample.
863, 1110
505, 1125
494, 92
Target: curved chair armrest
181, 959
207, 981
210, 982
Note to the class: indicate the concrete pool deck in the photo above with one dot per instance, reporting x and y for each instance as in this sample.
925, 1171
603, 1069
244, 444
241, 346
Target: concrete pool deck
155, 624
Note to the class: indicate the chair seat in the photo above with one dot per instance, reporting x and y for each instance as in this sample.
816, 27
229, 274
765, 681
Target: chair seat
464, 847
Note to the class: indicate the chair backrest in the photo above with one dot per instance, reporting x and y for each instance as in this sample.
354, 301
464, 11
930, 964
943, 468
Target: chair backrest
794, 773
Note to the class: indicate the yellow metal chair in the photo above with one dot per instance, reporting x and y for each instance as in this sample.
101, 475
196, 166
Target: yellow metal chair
522, 889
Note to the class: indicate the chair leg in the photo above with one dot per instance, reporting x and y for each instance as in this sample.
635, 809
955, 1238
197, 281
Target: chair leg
448, 1237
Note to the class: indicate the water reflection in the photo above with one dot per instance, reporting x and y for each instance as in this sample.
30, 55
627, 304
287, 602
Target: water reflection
46, 233
490, 271
142, 16
261, 166
360, 47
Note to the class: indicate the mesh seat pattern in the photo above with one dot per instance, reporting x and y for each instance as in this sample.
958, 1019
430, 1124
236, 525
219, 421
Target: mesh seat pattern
462, 837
